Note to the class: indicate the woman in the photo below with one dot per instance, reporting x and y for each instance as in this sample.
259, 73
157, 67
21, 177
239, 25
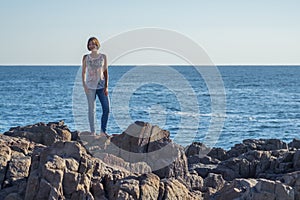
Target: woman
95, 83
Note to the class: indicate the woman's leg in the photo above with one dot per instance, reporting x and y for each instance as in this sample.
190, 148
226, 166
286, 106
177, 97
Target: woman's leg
105, 108
91, 96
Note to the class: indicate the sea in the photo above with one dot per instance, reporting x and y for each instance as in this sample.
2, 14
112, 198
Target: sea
221, 106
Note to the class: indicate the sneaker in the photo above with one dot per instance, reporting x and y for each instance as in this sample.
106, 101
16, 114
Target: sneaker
86, 133
104, 134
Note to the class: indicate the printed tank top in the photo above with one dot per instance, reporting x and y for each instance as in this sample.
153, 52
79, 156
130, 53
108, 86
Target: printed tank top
95, 68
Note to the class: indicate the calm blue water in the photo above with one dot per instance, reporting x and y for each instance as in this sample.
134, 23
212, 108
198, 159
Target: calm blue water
261, 101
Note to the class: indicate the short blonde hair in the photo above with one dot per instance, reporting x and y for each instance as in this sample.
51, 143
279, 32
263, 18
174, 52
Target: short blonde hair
95, 41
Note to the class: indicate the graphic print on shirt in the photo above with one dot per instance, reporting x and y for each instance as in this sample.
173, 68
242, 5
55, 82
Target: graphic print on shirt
95, 77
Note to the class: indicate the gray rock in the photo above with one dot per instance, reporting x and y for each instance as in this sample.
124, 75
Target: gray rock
42, 133
253, 144
197, 149
218, 153
172, 189
146, 144
48, 161
296, 160
295, 144
255, 189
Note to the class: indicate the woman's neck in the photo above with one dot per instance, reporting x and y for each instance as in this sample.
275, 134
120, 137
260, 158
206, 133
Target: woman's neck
94, 53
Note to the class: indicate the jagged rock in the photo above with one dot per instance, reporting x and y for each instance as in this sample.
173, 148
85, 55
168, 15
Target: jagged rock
296, 160
214, 181
147, 144
15, 162
149, 186
197, 149
48, 161
203, 169
295, 144
60, 171
257, 163
259, 145
114, 161
129, 188
5, 157
293, 180
42, 133
255, 189
172, 189
218, 153
193, 181
97, 146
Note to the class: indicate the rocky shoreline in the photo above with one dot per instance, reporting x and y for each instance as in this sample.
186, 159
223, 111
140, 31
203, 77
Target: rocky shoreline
48, 161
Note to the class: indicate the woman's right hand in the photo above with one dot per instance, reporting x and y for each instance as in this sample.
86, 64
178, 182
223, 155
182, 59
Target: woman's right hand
86, 89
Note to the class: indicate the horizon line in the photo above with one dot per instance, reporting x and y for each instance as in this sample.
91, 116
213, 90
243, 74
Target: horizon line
41, 65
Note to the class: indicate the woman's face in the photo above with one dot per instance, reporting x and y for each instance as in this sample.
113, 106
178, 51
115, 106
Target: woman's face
93, 46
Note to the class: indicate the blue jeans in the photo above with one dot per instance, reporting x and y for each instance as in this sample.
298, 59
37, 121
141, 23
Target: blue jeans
91, 97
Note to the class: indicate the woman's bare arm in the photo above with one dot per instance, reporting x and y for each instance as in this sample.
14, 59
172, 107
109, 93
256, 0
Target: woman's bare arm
105, 73
83, 73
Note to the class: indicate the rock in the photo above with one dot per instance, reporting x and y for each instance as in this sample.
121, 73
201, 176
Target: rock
149, 186
203, 169
292, 180
129, 188
13, 196
5, 157
296, 160
113, 183
237, 189
172, 189
147, 144
15, 163
61, 169
197, 149
218, 153
18, 169
253, 144
48, 161
193, 182
42, 133
114, 161
256, 163
295, 144
273, 190
255, 189
214, 181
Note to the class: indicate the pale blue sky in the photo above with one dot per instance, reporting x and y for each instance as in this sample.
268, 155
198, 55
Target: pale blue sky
230, 31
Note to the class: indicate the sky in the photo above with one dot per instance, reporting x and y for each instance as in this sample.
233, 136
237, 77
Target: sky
231, 32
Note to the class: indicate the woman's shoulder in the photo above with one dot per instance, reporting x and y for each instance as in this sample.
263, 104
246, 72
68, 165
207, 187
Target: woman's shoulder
84, 56
103, 55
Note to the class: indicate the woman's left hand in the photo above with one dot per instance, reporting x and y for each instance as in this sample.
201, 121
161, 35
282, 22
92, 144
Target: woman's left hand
106, 91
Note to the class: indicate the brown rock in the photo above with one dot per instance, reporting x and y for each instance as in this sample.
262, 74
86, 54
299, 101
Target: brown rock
18, 168
149, 186
172, 189
141, 163
151, 145
253, 144
214, 181
42, 133
52, 172
197, 149
5, 157
218, 153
